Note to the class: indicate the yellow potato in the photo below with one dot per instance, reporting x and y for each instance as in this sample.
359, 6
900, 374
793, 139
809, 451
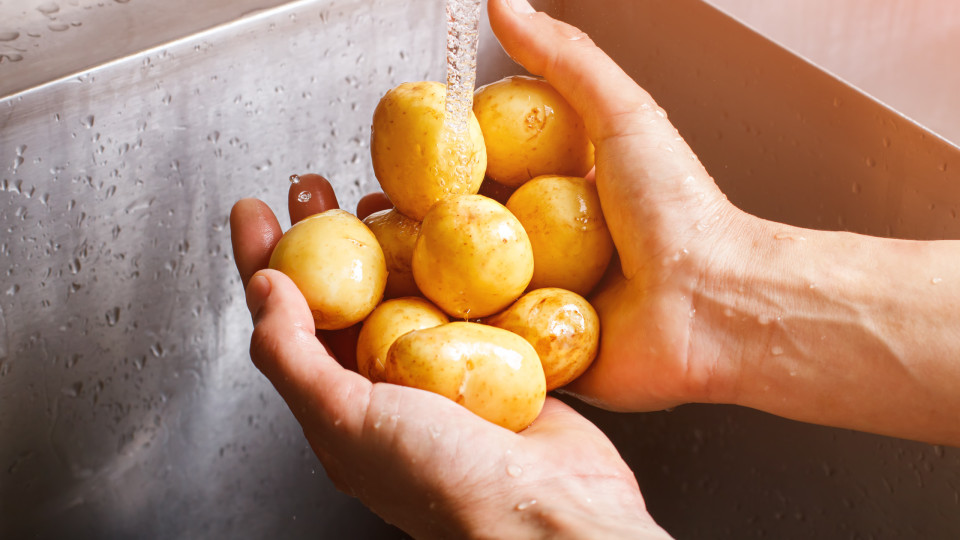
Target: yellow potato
337, 264
414, 156
472, 258
563, 328
397, 234
389, 321
492, 372
530, 130
571, 243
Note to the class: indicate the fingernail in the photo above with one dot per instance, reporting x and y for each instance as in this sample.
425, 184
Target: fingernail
521, 6
257, 292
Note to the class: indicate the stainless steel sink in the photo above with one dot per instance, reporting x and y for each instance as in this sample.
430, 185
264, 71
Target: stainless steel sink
128, 405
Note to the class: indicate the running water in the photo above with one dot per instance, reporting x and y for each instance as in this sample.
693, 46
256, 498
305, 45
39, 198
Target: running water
463, 31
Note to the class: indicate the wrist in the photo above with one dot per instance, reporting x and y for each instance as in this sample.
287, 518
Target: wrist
605, 508
734, 304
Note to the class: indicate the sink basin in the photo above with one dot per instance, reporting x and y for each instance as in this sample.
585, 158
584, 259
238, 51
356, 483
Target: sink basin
128, 404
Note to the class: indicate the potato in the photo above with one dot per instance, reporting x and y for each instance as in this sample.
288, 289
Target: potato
397, 234
389, 321
414, 156
492, 372
571, 243
337, 264
561, 325
472, 258
530, 130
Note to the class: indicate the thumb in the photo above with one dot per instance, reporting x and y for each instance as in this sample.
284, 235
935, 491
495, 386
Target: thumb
319, 392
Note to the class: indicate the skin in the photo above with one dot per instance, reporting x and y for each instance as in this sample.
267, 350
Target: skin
707, 304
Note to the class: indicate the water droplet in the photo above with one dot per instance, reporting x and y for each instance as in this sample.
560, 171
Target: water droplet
294, 178
48, 8
837, 102
157, 350
777, 351
113, 316
789, 236
886, 142
936, 281
871, 162
526, 504
58, 27
3, 337
74, 390
855, 188
942, 167
88, 121
9, 36
304, 196
514, 470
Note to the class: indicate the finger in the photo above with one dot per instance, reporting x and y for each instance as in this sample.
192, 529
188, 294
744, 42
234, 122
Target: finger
284, 347
308, 195
254, 231
593, 83
372, 202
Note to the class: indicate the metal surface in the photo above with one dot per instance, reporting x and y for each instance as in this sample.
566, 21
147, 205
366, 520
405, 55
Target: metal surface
903, 52
44, 40
128, 405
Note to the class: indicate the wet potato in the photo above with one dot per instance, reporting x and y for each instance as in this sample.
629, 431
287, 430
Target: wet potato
492, 372
413, 157
337, 264
572, 246
397, 235
530, 130
472, 258
389, 321
561, 325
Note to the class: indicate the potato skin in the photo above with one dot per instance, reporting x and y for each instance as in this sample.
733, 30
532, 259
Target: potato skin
397, 235
490, 371
413, 157
389, 321
337, 264
572, 246
472, 258
530, 130
561, 325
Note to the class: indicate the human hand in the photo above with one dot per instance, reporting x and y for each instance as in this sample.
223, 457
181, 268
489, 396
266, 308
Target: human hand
668, 219
419, 460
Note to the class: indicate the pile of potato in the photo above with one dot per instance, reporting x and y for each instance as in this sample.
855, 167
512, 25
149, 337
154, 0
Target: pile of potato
511, 277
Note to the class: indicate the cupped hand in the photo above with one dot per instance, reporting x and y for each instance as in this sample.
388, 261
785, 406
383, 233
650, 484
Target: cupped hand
668, 219
419, 460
